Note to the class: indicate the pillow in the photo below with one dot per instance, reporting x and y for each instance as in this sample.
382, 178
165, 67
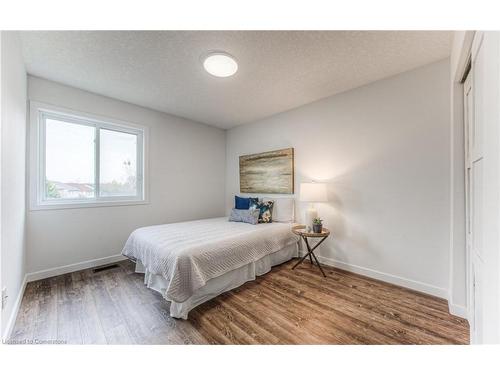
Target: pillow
250, 216
283, 209
254, 203
241, 203
265, 209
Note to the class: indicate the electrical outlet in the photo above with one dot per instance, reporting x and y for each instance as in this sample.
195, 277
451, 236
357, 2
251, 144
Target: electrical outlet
4, 297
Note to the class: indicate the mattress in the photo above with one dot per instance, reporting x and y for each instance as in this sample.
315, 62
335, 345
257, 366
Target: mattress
187, 255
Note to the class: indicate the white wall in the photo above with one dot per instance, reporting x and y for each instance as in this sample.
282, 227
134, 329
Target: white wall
186, 169
13, 170
384, 149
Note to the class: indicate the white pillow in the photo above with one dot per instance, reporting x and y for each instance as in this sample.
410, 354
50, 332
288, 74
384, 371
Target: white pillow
283, 209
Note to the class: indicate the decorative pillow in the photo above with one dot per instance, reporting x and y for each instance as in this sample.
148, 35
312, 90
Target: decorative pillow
254, 202
241, 203
250, 216
265, 209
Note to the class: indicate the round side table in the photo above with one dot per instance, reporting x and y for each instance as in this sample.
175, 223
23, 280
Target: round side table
300, 230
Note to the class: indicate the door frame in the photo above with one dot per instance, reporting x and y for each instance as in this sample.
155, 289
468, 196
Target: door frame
458, 284
468, 115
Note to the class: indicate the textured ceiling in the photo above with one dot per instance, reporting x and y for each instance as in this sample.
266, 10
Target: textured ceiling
278, 70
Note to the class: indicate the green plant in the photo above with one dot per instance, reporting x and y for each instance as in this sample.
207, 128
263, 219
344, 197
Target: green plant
317, 221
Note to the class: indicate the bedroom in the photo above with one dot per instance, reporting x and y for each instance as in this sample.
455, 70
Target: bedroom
259, 187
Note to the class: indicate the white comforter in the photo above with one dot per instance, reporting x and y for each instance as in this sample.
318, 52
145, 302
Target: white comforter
189, 254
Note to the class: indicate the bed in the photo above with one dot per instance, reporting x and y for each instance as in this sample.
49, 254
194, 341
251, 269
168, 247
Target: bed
192, 262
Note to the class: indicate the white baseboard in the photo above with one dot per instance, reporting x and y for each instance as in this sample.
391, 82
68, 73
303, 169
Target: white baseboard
56, 271
458, 310
15, 310
393, 279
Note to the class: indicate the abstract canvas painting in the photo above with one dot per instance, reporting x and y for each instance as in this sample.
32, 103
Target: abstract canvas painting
267, 172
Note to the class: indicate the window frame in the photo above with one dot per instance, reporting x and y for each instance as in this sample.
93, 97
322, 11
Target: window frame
39, 112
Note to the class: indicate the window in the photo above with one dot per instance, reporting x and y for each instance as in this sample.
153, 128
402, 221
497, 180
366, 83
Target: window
82, 161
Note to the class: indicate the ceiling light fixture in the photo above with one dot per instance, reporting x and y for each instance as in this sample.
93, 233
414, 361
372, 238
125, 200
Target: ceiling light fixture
220, 64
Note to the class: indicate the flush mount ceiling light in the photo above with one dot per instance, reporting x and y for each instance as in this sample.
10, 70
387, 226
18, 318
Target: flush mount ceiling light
220, 64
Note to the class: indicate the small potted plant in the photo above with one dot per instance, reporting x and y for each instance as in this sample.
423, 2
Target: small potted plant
317, 225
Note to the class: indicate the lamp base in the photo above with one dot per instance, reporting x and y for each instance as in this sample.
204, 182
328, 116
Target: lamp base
311, 214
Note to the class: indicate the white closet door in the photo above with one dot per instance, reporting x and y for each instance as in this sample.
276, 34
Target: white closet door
483, 201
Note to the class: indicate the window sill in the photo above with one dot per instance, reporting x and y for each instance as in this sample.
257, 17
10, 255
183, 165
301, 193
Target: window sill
67, 205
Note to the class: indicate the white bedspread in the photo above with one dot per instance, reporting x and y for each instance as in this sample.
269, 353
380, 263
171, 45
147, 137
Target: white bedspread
189, 254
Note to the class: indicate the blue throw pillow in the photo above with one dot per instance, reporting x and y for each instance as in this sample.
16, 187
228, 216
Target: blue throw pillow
241, 203
245, 216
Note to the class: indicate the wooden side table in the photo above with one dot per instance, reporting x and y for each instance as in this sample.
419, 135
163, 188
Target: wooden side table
300, 231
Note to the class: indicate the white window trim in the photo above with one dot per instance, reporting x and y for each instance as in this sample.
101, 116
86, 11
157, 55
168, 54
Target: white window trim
37, 155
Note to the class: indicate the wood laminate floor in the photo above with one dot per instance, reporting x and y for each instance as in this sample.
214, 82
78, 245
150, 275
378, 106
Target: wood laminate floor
281, 307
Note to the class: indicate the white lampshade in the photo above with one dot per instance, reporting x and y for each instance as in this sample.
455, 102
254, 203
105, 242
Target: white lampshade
313, 192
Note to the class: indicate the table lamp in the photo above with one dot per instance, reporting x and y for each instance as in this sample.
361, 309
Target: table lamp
312, 192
